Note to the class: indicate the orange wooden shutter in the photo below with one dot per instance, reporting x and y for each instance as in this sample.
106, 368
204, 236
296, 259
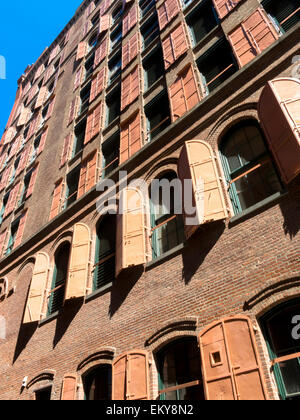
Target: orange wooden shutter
69, 388
197, 163
223, 7
167, 11
131, 88
279, 113
230, 361
11, 203
131, 137
57, 193
37, 289
43, 141
91, 172
184, 93
130, 376
130, 49
20, 231
82, 179
81, 50
129, 20
174, 45
32, 181
66, 149
252, 37
98, 84
33, 126
132, 230
41, 97
104, 23
93, 125
79, 262
101, 52
73, 110
23, 116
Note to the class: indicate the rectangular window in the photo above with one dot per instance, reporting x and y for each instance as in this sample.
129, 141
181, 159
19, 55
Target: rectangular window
113, 105
25, 188
153, 67
117, 13
116, 37
5, 200
13, 234
201, 21
89, 66
85, 98
72, 187
111, 151
79, 138
158, 115
114, 66
14, 170
150, 30
286, 13
146, 6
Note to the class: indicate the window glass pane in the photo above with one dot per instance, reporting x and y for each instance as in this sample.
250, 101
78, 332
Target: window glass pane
98, 384
201, 21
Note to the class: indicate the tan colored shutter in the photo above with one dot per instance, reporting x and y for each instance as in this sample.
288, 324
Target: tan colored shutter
23, 116
174, 45
79, 262
81, 50
82, 179
198, 164
130, 88
5, 178
279, 114
230, 361
223, 7
130, 376
131, 137
104, 23
3, 241
91, 172
57, 193
184, 93
66, 149
20, 231
69, 388
132, 231
41, 97
252, 37
166, 12
37, 289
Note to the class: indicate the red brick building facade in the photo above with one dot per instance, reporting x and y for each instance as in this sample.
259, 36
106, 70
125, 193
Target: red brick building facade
139, 306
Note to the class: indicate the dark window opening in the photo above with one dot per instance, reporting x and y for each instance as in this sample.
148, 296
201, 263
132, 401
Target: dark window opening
43, 394
111, 152
113, 103
85, 98
13, 234
114, 66
72, 187
116, 37
150, 30
25, 187
154, 67
286, 13
98, 384
146, 6
158, 115
201, 21
79, 137
4, 203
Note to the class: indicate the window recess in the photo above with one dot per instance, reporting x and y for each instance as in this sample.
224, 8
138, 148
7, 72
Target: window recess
111, 153
72, 187
150, 30
158, 115
201, 21
285, 13
153, 65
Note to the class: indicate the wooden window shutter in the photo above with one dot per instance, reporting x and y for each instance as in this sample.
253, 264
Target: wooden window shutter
132, 230
15, 147
78, 78
130, 49
101, 52
20, 231
23, 116
198, 164
167, 11
79, 262
130, 376
56, 200
184, 93
33, 126
174, 45
69, 388
50, 109
279, 114
104, 23
91, 172
131, 138
4, 178
43, 141
32, 181
98, 84
3, 241
73, 110
54, 53
130, 20
81, 50
131, 88
41, 97
37, 289
66, 149
50, 70
223, 7
39, 71
252, 37
230, 361
23, 160
11, 203
82, 179
86, 27
93, 125
105, 4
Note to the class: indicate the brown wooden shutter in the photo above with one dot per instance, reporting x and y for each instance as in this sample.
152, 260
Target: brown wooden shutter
94, 122
57, 193
132, 230
252, 37
130, 376
279, 114
167, 11
131, 137
79, 262
174, 45
131, 88
15, 147
130, 49
73, 110
33, 126
129, 20
101, 52
223, 7
32, 181
69, 388
230, 361
105, 4
81, 50
11, 203
184, 93
66, 149
43, 141
20, 231
98, 84
104, 23
37, 289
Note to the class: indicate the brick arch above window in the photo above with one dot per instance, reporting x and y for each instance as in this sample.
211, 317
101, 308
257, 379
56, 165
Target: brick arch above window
104, 355
162, 167
41, 379
64, 237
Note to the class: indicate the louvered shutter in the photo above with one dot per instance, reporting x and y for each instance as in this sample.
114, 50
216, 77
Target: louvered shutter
33, 126
69, 388
50, 109
4, 178
91, 172
104, 24
105, 4
49, 72
198, 164
252, 37
129, 20
90, 8
33, 91
230, 361
223, 7
15, 146
130, 49
82, 179
279, 114
20, 231
54, 53
66, 149
131, 138
132, 230
23, 116
10, 134
174, 45
167, 11
39, 71
86, 27
78, 78
130, 376
101, 52
37, 289
93, 125
41, 97
23, 160
98, 84
32, 181
131, 87
81, 50
11, 203
79, 262
56, 200
73, 110
184, 93
42, 141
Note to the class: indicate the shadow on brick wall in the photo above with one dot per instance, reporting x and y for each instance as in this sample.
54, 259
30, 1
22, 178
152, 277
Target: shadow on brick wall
26, 332
290, 208
65, 317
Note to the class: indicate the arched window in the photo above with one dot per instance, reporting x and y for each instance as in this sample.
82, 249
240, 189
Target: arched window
57, 294
97, 384
105, 258
179, 370
281, 329
249, 170
167, 227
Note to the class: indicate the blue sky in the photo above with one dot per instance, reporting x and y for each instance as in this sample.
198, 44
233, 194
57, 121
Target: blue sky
26, 29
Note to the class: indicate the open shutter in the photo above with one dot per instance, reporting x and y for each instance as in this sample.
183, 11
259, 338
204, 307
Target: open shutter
3, 240
105, 4
132, 230
252, 37
69, 388
23, 160
279, 114
43, 141
39, 72
91, 172
90, 9
104, 24
167, 11
130, 49
54, 53
101, 52
131, 137
174, 45
55, 207
130, 376
197, 163
93, 125
86, 27
66, 149
11, 203
41, 97
184, 93
4, 178
230, 361
78, 78
81, 50
98, 84
33, 126
23, 116
73, 110
79, 262
32, 181
130, 88
20, 231
37, 289
82, 179
129, 20
15, 147
223, 7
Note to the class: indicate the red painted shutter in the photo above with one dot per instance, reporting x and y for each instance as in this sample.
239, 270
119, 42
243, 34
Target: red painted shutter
78, 78
131, 138
43, 141
57, 193
4, 178
98, 84
93, 125
174, 45
252, 37
73, 110
279, 113
104, 24
69, 388
198, 164
184, 93
81, 50
12, 200
167, 11
50, 109
129, 20
130, 88
101, 52
230, 361
23, 160
66, 149
20, 231
223, 7
130, 376
15, 147
130, 49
